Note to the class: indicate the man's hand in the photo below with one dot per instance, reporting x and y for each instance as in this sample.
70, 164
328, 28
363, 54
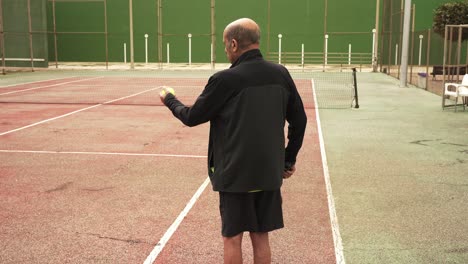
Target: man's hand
289, 172
164, 91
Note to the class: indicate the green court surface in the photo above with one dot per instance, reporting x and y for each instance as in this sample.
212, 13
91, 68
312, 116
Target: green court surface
399, 172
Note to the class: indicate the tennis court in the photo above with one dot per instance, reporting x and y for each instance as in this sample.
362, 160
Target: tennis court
94, 170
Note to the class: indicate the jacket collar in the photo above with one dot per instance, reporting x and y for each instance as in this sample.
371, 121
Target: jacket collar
247, 56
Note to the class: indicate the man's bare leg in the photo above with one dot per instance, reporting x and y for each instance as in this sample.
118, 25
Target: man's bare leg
261, 248
233, 249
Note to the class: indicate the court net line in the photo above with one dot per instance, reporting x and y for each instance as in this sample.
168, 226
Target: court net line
76, 111
338, 244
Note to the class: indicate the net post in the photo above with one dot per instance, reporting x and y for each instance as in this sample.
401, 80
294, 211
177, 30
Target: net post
356, 97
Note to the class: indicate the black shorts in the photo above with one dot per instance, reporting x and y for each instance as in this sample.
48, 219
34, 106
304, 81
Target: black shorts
252, 212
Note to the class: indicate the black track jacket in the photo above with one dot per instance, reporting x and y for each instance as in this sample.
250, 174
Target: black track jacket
247, 106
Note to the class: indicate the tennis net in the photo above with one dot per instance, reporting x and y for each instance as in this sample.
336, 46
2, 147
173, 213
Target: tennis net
332, 90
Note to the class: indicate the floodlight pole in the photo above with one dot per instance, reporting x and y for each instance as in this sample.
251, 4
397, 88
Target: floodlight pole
405, 44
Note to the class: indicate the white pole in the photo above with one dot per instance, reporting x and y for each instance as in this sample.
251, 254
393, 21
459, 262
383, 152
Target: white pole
396, 54
125, 53
211, 55
190, 48
326, 49
132, 54
168, 56
279, 48
374, 52
146, 48
405, 44
302, 55
420, 49
377, 13
349, 54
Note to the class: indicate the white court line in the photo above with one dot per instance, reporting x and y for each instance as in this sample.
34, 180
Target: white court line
331, 202
99, 153
74, 112
40, 87
162, 242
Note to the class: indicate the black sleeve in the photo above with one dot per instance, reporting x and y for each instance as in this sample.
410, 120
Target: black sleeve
207, 105
297, 119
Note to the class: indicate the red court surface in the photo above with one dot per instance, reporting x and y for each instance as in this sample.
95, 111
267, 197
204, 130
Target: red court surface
103, 184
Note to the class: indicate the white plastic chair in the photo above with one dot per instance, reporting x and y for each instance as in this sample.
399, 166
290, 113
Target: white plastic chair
456, 90
463, 93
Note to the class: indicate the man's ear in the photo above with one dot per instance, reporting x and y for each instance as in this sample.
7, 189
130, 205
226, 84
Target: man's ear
234, 45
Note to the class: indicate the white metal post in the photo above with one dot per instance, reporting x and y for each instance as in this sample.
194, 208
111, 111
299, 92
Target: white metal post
168, 54
405, 44
211, 55
302, 55
132, 54
349, 54
326, 49
396, 54
190, 48
125, 53
279, 48
146, 48
374, 52
420, 48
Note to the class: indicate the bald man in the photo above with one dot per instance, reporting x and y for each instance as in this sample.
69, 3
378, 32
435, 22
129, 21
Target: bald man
247, 106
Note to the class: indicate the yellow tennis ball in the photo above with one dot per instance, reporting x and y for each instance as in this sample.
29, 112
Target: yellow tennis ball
168, 89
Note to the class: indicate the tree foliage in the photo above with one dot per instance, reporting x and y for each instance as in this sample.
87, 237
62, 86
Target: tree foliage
454, 13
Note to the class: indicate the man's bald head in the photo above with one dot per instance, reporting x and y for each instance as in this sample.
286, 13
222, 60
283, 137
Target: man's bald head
245, 31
